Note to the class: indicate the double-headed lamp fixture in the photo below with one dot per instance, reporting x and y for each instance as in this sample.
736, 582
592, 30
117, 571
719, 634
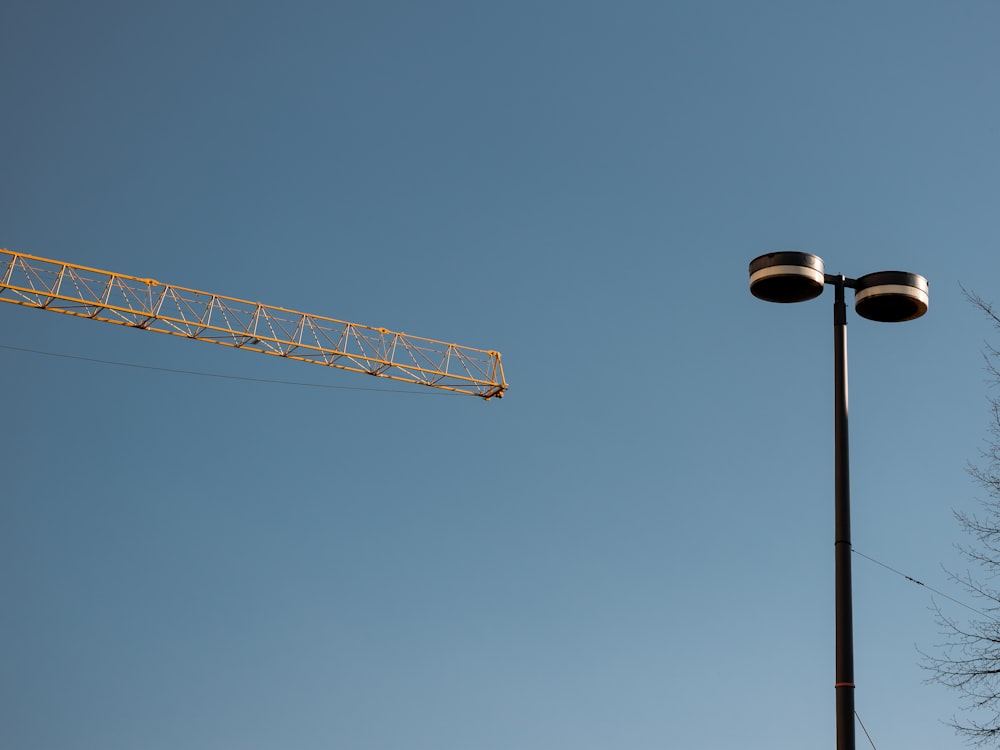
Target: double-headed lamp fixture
888, 297
885, 296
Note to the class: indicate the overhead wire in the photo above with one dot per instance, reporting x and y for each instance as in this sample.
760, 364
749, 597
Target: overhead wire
858, 717
913, 580
921, 583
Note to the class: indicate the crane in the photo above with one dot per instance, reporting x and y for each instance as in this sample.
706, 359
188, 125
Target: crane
110, 297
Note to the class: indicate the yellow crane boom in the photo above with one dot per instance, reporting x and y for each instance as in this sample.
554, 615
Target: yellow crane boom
144, 303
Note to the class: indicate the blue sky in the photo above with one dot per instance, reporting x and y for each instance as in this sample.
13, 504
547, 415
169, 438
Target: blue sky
634, 548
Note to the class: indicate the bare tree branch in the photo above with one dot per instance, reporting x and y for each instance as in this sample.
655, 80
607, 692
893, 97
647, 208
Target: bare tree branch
968, 659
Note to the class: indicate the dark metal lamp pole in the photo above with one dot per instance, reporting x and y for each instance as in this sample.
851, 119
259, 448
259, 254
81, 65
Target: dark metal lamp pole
843, 614
887, 296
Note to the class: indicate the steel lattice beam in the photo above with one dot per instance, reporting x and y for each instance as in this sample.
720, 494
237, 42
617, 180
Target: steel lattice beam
165, 308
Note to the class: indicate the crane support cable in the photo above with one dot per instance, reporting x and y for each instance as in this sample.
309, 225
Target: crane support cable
165, 308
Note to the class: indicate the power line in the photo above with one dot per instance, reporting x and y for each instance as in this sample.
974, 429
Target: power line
858, 717
921, 583
219, 375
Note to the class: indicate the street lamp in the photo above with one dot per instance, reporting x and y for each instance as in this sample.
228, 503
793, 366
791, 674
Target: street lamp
887, 297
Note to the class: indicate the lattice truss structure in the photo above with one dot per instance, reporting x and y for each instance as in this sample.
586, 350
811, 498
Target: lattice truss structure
144, 303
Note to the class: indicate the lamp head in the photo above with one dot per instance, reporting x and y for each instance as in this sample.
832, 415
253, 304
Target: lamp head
891, 296
786, 277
